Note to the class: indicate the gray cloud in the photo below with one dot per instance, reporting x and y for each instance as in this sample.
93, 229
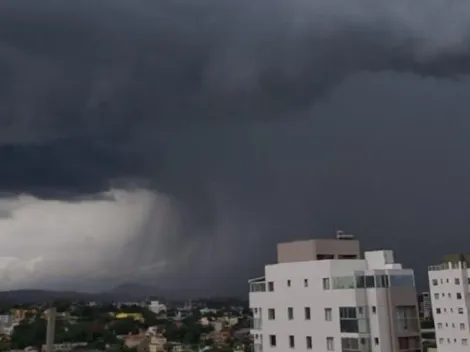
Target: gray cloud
261, 121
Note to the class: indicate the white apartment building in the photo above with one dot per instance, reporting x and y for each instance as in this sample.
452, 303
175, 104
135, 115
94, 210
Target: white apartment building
449, 289
320, 296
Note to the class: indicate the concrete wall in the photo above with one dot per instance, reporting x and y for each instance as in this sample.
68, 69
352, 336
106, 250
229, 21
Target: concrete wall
299, 251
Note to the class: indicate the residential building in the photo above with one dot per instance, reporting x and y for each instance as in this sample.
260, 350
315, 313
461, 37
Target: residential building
449, 289
6, 319
321, 296
156, 307
136, 341
424, 304
21, 314
157, 343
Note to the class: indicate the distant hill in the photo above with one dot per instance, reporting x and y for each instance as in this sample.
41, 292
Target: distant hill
129, 292
134, 291
124, 292
40, 296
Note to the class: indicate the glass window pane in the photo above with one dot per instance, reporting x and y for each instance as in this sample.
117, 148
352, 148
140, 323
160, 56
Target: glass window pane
360, 282
370, 283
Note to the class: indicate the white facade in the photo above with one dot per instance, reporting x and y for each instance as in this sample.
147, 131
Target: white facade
336, 305
6, 319
449, 289
157, 307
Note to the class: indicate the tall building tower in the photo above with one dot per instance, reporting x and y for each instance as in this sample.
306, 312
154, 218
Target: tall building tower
321, 296
449, 289
424, 304
51, 317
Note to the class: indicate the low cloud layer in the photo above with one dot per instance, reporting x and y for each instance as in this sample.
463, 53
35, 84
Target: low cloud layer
57, 243
221, 128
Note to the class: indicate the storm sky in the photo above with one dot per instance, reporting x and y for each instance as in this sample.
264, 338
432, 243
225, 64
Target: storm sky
175, 142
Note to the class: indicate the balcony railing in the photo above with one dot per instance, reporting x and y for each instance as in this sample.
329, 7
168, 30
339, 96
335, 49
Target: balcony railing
447, 266
257, 287
257, 347
257, 324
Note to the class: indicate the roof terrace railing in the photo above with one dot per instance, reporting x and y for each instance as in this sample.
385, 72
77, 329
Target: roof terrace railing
448, 266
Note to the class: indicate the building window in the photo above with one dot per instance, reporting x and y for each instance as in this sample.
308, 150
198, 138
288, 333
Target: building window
290, 313
436, 296
349, 344
465, 342
407, 318
376, 341
374, 310
434, 282
462, 326
343, 282
305, 282
291, 341
328, 314
402, 281
441, 341
270, 286
460, 310
365, 281
370, 281
307, 313
449, 295
457, 281
326, 283
438, 310
271, 314
288, 283
272, 340
330, 344
459, 295
439, 325
348, 319
381, 281
410, 343
308, 341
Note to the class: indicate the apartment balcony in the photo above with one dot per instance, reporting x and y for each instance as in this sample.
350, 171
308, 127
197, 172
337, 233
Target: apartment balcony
257, 347
257, 324
257, 285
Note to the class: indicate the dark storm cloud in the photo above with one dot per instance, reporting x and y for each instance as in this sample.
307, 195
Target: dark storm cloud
257, 118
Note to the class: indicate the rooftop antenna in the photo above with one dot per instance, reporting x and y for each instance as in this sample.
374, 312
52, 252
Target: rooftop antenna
341, 235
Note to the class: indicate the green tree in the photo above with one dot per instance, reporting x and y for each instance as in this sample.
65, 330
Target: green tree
124, 327
29, 334
62, 305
